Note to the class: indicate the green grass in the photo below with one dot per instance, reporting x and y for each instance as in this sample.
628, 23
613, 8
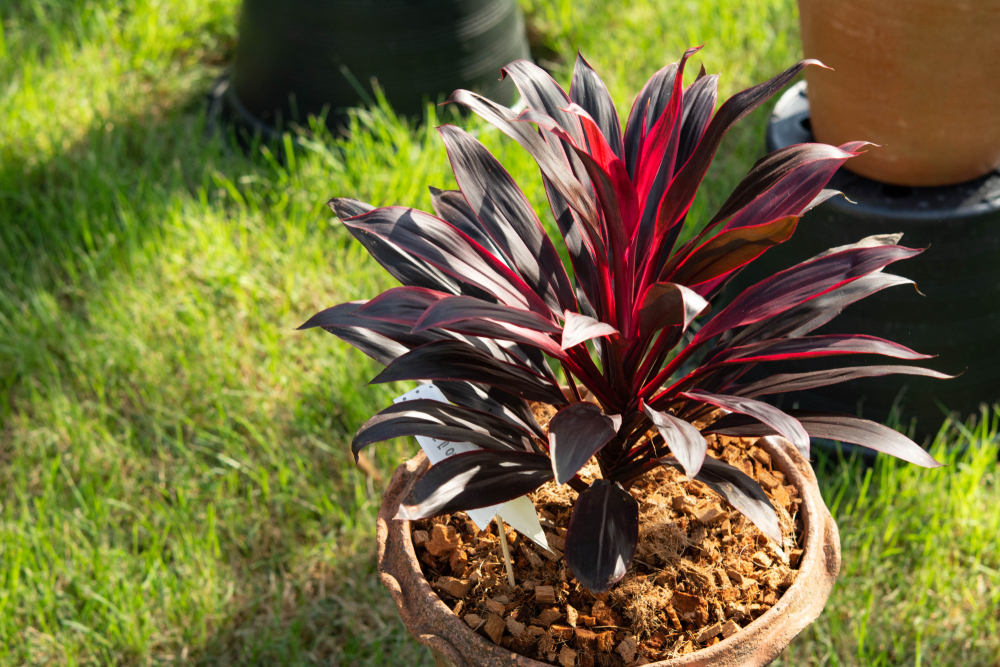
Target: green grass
174, 483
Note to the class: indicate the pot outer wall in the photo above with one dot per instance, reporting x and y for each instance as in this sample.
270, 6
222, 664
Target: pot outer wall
956, 318
454, 644
297, 58
918, 77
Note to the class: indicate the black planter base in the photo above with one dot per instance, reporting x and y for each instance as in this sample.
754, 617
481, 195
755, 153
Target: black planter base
958, 316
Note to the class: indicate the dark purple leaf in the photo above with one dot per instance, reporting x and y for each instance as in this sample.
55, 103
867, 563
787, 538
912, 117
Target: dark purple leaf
405, 305
668, 304
343, 322
802, 282
686, 443
782, 183
782, 423
508, 218
740, 491
576, 433
442, 245
442, 421
551, 158
492, 400
455, 309
591, 94
472, 480
543, 94
814, 346
786, 382
654, 168
646, 110
843, 428
402, 266
579, 328
451, 206
453, 360
602, 536
679, 196
814, 313
729, 250
699, 103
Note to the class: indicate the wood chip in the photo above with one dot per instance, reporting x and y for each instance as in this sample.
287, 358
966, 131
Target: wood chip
586, 620
547, 617
555, 541
794, 557
605, 641
788, 579
514, 626
730, 594
602, 613
494, 628
729, 629
674, 619
567, 657
561, 632
685, 504
781, 497
766, 479
571, 615
459, 562
495, 606
626, 649
709, 515
762, 559
474, 621
734, 575
533, 558
554, 555
686, 604
697, 576
535, 631
458, 608
770, 598
420, 538
545, 643
762, 457
444, 540
457, 588
545, 594
585, 640
708, 633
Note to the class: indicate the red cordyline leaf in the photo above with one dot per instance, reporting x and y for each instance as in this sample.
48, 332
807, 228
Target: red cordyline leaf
483, 292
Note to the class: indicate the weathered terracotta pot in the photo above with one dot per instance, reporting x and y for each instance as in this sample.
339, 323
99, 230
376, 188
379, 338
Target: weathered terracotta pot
917, 77
455, 645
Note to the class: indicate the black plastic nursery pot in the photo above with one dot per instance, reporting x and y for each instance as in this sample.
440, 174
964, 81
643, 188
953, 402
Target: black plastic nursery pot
297, 58
957, 316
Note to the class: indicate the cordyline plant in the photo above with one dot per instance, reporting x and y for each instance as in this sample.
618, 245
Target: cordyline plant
486, 308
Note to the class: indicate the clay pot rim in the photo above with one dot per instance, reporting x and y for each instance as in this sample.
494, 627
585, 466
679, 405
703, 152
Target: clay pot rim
755, 645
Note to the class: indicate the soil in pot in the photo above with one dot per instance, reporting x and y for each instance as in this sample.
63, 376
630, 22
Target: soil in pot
701, 571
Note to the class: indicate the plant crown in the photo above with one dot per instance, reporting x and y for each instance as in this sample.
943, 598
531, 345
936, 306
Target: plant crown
486, 309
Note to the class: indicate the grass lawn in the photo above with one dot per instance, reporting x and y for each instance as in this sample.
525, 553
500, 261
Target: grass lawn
175, 482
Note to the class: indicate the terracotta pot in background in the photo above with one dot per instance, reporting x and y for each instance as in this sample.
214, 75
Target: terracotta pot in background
454, 644
921, 78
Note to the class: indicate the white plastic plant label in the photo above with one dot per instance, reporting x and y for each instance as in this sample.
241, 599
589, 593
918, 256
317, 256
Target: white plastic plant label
518, 513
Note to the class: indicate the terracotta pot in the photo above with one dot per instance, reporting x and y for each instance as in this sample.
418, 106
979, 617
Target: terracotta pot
917, 77
454, 644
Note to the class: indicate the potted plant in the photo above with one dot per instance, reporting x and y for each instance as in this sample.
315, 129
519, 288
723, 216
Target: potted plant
486, 311
919, 79
297, 58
